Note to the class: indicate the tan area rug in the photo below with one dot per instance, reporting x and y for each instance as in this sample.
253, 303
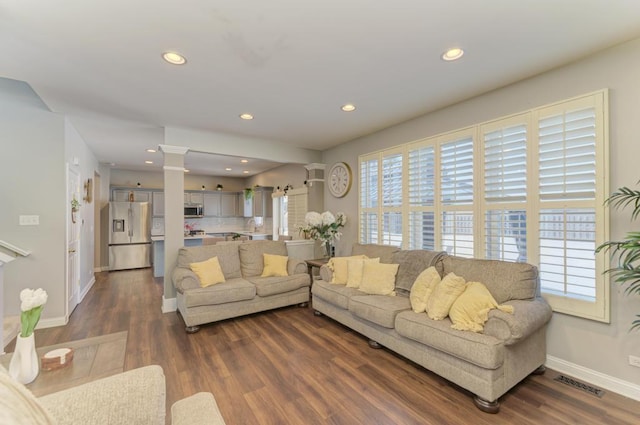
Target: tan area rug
93, 358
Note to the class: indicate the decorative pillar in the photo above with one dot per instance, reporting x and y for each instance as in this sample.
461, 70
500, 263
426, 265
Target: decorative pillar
173, 217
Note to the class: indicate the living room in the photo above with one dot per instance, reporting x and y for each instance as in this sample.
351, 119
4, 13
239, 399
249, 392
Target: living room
594, 351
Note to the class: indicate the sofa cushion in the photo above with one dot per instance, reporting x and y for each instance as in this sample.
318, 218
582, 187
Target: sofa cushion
482, 350
251, 258
422, 288
227, 256
355, 268
412, 263
18, 405
272, 285
471, 310
208, 272
379, 278
230, 291
379, 309
340, 268
337, 295
383, 252
505, 280
444, 295
274, 265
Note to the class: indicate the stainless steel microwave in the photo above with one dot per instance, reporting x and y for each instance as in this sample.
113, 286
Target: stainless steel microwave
193, 210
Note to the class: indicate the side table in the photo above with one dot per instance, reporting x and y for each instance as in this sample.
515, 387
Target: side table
317, 263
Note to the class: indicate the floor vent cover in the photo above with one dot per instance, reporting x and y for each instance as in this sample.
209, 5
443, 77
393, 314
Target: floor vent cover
580, 385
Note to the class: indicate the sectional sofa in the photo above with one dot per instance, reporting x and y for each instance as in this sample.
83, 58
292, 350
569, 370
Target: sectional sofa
244, 291
487, 364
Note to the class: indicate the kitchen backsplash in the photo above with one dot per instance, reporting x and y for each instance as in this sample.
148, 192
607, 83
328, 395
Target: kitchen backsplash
217, 225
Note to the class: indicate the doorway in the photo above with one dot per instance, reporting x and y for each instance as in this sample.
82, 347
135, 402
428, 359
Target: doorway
74, 223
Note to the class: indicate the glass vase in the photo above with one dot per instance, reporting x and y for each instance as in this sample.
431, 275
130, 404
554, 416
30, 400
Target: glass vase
327, 249
24, 365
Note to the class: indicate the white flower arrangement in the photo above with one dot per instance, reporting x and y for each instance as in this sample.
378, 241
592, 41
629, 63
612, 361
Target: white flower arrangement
32, 303
324, 227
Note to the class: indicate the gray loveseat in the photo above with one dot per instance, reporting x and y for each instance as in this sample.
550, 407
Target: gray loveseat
487, 364
244, 290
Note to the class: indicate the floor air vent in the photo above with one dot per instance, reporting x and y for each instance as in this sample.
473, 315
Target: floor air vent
580, 385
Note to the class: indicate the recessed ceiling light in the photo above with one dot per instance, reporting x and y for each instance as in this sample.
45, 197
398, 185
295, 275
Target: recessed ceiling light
348, 107
453, 54
151, 150
174, 58
245, 172
148, 162
186, 171
244, 161
227, 169
246, 116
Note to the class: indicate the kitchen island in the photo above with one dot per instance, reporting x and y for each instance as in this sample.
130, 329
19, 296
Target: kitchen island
193, 240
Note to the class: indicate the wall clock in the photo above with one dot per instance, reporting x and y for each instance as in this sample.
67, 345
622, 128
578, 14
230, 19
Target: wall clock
339, 179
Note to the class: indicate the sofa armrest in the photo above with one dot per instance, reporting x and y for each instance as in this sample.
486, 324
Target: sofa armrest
528, 316
133, 397
184, 279
326, 273
200, 408
295, 266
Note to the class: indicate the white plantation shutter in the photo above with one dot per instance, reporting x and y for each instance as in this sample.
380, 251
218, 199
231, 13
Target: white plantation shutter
421, 181
369, 184
456, 172
567, 181
505, 164
505, 189
567, 155
422, 176
296, 210
529, 187
392, 180
456, 196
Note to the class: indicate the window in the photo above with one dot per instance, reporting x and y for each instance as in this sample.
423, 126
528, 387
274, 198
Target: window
529, 188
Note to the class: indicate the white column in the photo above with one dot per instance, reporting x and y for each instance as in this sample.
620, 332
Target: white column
173, 217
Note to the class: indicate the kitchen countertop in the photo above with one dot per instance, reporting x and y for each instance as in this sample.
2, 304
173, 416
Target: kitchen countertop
213, 235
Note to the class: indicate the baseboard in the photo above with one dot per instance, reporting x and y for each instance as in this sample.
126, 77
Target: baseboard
52, 322
169, 304
86, 289
101, 269
627, 389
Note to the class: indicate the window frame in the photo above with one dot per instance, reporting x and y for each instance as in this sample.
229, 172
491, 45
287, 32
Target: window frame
599, 309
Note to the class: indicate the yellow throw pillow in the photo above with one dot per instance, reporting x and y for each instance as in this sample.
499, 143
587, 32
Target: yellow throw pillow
354, 271
275, 265
444, 295
379, 278
209, 272
338, 266
422, 288
471, 310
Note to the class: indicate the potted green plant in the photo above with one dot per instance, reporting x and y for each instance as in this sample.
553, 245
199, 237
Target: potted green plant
248, 193
627, 251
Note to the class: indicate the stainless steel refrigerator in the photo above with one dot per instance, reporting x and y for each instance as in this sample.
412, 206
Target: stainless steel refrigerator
129, 235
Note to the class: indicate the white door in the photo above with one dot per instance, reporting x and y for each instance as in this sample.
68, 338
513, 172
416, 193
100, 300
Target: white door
74, 223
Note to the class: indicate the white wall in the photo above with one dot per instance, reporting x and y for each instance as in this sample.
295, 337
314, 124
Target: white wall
32, 182
600, 347
293, 174
155, 180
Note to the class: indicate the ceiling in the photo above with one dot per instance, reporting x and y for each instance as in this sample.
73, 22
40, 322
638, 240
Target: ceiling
291, 64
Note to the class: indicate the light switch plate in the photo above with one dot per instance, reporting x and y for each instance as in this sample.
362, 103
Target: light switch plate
29, 220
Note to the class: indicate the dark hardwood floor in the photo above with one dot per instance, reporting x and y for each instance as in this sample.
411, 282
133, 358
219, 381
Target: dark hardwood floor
289, 367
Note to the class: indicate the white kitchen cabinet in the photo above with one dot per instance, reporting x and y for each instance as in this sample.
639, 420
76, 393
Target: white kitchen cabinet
122, 195
158, 204
194, 198
228, 204
262, 202
211, 203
